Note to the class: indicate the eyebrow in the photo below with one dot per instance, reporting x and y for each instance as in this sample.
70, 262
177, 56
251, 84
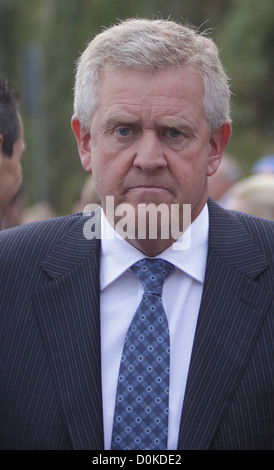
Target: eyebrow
112, 120
174, 122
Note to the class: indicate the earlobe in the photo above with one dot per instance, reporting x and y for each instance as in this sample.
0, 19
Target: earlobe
82, 137
218, 142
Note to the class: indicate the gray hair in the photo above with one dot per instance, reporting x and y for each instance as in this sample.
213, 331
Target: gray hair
148, 46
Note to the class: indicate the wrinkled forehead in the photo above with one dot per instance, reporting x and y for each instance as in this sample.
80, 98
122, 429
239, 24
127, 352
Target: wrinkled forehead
113, 80
173, 98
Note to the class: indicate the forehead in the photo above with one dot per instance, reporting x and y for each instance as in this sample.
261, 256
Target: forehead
168, 92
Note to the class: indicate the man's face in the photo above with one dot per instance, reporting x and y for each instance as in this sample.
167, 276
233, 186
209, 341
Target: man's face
149, 140
10, 170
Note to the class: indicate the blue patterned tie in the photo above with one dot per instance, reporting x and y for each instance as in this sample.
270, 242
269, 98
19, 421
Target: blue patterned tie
141, 412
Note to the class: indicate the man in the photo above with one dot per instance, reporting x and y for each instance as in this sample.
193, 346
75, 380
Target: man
151, 120
12, 146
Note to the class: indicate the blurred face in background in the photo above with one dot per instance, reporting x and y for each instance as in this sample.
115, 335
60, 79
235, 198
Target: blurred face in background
10, 169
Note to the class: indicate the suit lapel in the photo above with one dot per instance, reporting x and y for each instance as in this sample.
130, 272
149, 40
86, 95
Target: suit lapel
232, 310
68, 313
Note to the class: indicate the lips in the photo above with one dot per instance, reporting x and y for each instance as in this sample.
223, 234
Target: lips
148, 188
142, 188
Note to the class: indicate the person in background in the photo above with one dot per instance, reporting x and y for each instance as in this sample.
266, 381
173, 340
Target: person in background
14, 210
228, 173
142, 341
87, 196
40, 211
264, 165
253, 195
12, 146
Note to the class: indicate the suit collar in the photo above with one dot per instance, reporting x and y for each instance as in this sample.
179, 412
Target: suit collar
80, 240
231, 241
228, 238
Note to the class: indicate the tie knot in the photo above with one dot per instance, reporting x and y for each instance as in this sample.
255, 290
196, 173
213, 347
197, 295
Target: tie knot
152, 273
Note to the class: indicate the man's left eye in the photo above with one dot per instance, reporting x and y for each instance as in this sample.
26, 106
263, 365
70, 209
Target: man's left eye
173, 133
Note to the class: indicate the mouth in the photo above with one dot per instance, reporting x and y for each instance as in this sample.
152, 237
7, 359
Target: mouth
148, 194
148, 189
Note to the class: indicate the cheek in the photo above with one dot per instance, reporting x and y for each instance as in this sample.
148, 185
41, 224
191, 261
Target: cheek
17, 168
14, 170
109, 167
191, 174
105, 177
16, 178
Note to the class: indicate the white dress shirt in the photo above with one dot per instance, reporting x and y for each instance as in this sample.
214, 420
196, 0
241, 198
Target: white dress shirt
121, 294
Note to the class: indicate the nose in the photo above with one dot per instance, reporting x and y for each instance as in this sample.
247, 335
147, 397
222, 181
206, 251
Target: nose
150, 153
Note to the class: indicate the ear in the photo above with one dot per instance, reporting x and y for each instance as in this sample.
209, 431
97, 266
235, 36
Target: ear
83, 141
218, 143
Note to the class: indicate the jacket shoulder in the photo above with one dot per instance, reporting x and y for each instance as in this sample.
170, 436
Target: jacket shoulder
238, 236
35, 239
261, 230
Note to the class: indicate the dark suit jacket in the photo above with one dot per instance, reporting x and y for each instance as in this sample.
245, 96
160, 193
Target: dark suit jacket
50, 389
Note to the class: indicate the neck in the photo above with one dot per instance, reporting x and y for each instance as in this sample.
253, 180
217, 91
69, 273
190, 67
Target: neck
151, 248
152, 235
154, 244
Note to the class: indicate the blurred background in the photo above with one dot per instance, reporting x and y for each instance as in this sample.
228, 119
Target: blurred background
40, 40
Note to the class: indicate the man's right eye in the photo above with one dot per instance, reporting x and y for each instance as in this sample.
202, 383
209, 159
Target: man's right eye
123, 131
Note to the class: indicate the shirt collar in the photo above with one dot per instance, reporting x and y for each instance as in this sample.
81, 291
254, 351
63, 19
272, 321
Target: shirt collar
117, 255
